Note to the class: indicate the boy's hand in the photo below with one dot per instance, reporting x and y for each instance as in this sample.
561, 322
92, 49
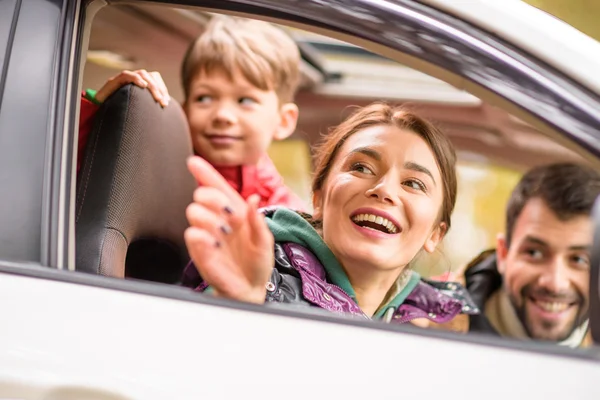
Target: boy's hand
142, 78
228, 240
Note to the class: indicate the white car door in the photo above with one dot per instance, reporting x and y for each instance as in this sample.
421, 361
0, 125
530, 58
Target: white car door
113, 343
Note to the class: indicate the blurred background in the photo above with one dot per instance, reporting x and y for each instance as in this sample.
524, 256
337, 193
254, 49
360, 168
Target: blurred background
494, 147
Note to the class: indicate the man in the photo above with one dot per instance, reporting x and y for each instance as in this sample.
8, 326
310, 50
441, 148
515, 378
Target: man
535, 284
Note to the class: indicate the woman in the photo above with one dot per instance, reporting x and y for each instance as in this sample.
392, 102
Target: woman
384, 190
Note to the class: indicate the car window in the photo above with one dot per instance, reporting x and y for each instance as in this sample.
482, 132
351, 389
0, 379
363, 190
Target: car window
496, 143
494, 147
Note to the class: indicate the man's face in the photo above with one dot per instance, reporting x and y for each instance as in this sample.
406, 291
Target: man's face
546, 270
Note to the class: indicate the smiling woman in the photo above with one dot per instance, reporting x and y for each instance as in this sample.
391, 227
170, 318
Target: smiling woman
384, 190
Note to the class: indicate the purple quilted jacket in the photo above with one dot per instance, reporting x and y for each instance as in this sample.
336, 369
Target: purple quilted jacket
299, 277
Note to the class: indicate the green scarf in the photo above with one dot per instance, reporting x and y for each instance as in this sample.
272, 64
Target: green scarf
289, 226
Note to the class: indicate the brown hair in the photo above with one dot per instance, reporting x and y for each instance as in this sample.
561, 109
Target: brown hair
265, 55
384, 114
568, 189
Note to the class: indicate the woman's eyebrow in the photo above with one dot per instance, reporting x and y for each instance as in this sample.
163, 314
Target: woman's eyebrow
367, 151
418, 168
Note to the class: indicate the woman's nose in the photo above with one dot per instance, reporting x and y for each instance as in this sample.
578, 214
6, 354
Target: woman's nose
385, 192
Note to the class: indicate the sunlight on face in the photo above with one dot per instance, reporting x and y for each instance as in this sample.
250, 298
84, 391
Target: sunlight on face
381, 201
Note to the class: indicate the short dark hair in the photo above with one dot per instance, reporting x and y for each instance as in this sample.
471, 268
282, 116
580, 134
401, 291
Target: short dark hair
568, 189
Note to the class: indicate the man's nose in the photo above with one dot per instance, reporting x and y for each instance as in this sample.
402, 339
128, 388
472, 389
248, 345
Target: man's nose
554, 277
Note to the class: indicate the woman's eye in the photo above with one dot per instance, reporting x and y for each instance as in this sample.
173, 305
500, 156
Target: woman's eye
247, 101
363, 169
416, 185
203, 99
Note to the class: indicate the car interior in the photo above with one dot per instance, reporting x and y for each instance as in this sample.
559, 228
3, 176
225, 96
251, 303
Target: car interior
133, 187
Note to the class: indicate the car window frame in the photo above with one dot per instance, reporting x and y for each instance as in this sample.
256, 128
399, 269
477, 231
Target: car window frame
61, 165
9, 11
27, 112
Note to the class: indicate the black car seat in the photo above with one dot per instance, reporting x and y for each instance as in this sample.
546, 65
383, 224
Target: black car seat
133, 188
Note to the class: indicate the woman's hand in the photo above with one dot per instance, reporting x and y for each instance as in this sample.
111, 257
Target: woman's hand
142, 78
228, 240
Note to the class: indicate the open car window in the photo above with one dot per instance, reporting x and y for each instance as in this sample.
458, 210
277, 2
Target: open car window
496, 142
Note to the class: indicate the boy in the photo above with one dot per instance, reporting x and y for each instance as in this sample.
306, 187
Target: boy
239, 78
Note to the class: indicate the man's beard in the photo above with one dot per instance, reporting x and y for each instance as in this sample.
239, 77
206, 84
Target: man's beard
572, 297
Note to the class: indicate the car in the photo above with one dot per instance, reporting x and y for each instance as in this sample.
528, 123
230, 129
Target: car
68, 334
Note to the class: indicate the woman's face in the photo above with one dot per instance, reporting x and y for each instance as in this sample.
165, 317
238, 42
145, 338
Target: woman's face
381, 201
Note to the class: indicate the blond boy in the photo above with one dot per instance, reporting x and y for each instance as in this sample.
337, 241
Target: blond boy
239, 79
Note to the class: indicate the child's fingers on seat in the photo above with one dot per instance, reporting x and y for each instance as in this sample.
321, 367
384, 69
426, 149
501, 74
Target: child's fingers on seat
113, 84
162, 86
126, 77
153, 86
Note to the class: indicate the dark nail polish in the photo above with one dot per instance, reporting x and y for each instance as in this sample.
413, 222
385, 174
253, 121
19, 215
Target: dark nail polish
228, 210
226, 229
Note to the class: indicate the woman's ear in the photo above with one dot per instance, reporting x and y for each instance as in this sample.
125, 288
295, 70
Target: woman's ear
288, 119
435, 237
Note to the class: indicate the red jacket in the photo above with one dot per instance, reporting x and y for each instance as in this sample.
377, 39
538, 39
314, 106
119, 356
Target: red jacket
262, 179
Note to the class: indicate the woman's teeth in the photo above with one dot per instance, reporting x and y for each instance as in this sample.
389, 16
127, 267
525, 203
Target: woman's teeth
387, 224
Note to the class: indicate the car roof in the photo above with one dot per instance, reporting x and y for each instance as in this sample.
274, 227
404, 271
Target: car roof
539, 33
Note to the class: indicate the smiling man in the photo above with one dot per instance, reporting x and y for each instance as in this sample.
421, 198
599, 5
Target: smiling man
535, 284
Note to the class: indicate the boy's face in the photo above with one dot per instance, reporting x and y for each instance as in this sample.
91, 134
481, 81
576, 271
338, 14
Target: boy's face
233, 122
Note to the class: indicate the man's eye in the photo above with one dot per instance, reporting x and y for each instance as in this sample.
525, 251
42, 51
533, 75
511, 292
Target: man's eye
247, 101
533, 254
580, 261
415, 184
363, 169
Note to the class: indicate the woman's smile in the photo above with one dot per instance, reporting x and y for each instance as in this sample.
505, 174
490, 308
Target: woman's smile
375, 223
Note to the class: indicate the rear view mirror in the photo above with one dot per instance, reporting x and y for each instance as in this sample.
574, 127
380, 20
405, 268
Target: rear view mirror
595, 275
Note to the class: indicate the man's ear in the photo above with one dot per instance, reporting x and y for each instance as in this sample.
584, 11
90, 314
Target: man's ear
501, 252
436, 236
317, 201
288, 120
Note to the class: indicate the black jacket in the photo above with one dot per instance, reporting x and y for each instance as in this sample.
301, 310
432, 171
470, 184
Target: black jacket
482, 279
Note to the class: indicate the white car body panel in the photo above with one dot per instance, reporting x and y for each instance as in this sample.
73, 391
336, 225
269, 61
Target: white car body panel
142, 347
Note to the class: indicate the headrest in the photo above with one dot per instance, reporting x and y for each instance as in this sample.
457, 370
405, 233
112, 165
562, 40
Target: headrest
133, 188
